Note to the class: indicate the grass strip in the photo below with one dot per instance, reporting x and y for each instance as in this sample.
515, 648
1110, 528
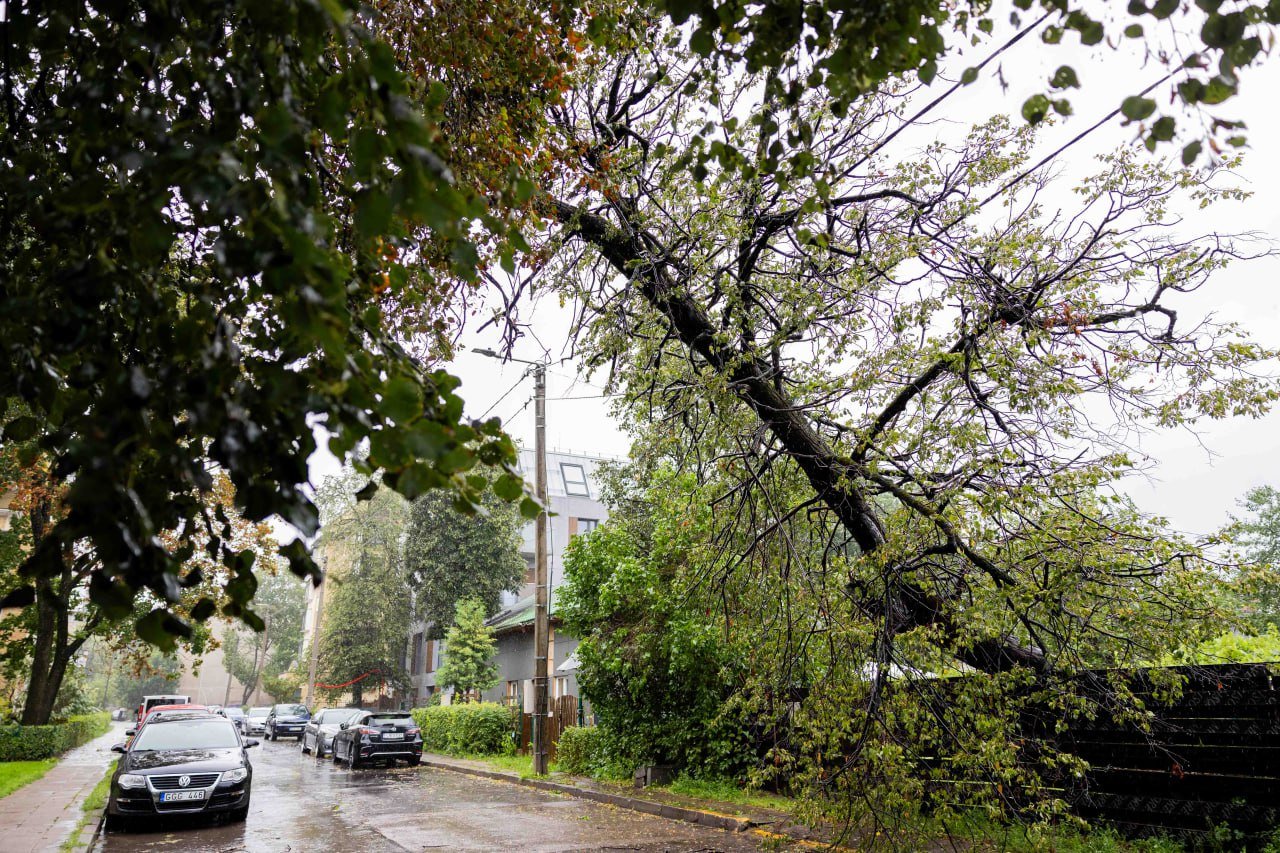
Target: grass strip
15, 774
93, 804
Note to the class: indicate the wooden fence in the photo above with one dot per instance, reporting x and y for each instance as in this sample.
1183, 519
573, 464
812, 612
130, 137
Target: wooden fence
564, 713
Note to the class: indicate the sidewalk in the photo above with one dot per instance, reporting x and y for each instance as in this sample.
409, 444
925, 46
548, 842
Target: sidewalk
732, 817
37, 818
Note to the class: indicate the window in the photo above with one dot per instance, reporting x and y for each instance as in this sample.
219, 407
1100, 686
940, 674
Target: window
586, 525
575, 479
560, 687
431, 655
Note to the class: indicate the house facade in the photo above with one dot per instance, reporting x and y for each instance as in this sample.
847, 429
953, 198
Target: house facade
573, 491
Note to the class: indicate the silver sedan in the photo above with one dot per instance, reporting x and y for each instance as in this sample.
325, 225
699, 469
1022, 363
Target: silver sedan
323, 725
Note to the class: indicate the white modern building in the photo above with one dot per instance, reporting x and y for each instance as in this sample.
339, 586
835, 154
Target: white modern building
573, 491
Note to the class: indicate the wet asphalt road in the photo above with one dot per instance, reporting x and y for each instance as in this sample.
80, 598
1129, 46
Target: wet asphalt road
300, 803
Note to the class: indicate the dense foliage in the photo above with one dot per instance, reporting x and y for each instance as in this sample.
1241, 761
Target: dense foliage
367, 608
451, 556
657, 666
474, 728
468, 666
209, 213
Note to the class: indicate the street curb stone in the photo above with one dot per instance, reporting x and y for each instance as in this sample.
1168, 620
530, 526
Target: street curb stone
714, 820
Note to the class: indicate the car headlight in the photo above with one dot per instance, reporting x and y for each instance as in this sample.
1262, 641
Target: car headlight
132, 780
237, 775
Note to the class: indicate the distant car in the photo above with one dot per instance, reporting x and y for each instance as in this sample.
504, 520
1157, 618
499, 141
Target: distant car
255, 721
149, 702
287, 720
214, 709
193, 764
235, 714
158, 711
323, 725
387, 735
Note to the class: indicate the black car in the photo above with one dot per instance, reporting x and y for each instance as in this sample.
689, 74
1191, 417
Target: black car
387, 735
287, 720
181, 765
323, 725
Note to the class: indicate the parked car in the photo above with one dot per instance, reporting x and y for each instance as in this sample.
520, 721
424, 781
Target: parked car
255, 721
235, 714
158, 711
389, 735
323, 725
182, 764
287, 720
149, 702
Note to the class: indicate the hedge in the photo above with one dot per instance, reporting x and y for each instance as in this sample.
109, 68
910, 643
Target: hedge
481, 728
33, 743
579, 750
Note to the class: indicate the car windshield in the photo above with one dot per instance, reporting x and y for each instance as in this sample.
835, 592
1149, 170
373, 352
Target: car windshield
233, 712
397, 719
259, 712
342, 715
291, 709
187, 734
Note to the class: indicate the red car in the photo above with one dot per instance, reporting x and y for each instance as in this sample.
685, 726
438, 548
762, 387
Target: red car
163, 710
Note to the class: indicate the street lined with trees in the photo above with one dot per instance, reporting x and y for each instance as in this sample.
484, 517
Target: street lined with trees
884, 375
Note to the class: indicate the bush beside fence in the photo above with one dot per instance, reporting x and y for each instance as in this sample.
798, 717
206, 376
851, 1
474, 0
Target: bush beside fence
33, 743
580, 750
482, 728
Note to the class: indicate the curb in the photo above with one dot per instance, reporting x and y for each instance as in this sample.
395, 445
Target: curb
83, 846
715, 820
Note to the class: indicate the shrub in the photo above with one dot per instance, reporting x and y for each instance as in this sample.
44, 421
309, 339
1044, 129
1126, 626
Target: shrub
578, 749
32, 743
483, 728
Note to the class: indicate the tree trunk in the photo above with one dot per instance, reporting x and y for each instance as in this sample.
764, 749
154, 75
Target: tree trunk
51, 652
357, 694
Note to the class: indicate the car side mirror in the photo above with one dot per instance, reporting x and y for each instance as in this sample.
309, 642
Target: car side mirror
251, 743
118, 747
344, 726
130, 732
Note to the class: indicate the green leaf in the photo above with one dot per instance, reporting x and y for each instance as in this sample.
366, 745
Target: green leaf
1035, 108
530, 509
968, 76
509, 487
1137, 108
1190, 152
21, 429
1065, 78
401, 400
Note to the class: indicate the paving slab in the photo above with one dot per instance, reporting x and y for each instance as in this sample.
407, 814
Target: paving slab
39, 817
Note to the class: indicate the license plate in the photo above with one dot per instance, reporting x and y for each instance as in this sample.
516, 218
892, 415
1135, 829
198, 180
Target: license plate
178, 796
393, 737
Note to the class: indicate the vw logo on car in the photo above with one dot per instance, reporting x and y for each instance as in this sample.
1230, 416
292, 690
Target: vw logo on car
184, 781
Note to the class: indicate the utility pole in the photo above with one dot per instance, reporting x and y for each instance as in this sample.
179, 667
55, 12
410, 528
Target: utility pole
541, 585
315, 642
541, 616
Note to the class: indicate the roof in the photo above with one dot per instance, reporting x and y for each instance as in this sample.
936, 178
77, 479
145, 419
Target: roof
518, 615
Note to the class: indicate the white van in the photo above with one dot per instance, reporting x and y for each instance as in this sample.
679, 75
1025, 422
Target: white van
149, 702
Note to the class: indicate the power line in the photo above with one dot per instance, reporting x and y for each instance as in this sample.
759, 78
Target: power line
498, 402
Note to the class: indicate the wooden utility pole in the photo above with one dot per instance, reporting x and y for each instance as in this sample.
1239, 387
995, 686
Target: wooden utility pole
541, 616
310, 693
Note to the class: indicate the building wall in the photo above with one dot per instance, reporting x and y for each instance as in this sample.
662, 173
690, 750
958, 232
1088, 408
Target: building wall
209, 686
515, 666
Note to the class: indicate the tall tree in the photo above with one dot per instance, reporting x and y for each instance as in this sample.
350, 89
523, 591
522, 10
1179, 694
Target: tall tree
252, 656
451, 556
208, 214
1259, 532
468, 666
885, 373
368, 603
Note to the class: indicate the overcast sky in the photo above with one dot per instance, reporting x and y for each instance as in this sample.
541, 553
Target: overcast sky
1195, 480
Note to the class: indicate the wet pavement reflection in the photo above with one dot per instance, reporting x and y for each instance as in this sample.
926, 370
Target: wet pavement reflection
301, 803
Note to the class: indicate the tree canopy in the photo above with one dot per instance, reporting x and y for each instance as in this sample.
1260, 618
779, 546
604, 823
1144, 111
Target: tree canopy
450, 556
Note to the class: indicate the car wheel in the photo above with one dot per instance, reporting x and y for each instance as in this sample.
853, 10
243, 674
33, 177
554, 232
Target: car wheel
116, 823
353, 759
303, 742
239, 815
415, 760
